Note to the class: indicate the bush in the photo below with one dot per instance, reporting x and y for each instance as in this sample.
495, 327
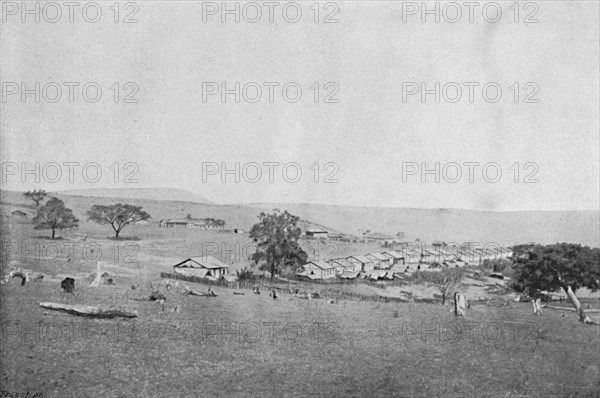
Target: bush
245, 274
497, 265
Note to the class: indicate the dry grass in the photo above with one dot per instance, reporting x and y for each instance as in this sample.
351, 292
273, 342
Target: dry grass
349, 348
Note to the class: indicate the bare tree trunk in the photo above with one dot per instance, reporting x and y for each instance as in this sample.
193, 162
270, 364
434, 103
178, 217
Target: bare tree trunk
460, 304
583, 317
53, 233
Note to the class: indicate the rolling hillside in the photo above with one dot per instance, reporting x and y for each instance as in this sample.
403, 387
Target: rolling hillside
170, 194
450, 225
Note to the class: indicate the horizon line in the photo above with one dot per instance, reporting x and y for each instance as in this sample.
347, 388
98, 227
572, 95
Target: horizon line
250, 204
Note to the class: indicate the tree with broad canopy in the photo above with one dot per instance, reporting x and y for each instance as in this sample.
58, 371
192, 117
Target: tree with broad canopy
54, 215
277, 237
118, 215
558, 266
36, 196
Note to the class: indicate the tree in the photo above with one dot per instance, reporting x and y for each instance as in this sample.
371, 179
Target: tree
564, 266
245, 274
36, 196
118, 216
54, 215
277, 237
447, 281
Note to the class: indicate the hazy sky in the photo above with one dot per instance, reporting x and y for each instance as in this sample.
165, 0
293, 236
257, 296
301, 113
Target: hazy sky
368, 135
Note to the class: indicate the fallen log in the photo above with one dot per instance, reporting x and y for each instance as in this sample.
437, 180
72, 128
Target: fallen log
192, 292
88, 310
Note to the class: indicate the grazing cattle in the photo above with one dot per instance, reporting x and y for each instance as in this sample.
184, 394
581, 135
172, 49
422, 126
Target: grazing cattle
273, 294
460, 305
255, 290
68, 285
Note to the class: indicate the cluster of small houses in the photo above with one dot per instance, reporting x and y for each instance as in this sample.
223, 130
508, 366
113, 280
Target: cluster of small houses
385, 265
390, 264
190, 222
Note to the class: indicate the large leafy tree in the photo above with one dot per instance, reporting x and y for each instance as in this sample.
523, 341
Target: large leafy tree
54, 215
277, 237
118, 215
36, 196
559, 266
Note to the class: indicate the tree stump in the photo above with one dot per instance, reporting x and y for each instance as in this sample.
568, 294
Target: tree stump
537, 306
460, 304
68, 285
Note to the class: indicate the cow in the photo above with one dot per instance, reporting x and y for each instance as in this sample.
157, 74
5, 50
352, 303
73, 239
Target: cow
68, 285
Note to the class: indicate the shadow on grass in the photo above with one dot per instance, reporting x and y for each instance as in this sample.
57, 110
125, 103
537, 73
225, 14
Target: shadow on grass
46, 237
123, 238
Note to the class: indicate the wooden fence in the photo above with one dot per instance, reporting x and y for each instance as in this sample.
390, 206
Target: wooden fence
285, 287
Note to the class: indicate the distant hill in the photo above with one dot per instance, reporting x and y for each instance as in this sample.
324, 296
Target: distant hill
454, 225
428, 225
170, 194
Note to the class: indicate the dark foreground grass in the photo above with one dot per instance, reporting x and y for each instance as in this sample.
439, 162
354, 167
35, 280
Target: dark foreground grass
251, 346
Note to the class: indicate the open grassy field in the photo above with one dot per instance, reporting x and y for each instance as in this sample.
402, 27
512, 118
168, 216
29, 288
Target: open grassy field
252, 346
249, 345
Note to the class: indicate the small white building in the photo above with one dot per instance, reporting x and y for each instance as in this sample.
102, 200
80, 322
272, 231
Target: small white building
363, 262
380, 261
394, 256
316, 233
342, 265
317, 270
410, 256
206, 267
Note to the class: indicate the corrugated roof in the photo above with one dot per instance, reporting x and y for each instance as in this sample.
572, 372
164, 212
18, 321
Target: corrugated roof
393, 253
378, 256
360, 258
208, 262
320, 264
341, 261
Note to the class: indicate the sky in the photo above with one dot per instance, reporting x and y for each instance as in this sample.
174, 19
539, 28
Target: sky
368, 133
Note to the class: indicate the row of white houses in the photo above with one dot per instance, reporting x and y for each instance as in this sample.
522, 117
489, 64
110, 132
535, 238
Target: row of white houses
350, 267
